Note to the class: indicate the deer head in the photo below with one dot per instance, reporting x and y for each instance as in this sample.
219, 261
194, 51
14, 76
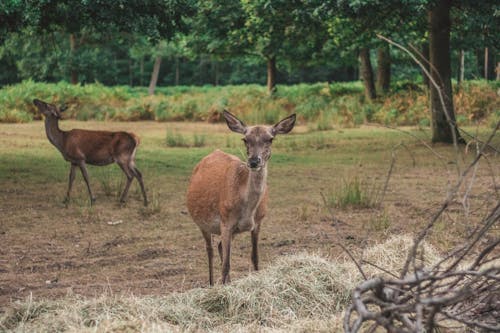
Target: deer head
258, 139
49, 110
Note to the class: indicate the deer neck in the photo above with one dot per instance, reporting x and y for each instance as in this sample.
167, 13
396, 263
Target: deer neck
256, 185
54, 134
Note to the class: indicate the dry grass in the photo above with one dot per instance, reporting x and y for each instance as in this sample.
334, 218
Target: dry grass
119, 251
301, 292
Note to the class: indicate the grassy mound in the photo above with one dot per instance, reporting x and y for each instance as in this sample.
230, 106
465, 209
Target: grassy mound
302, 292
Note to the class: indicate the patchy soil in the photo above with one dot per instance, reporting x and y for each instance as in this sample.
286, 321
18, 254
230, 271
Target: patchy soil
49, 250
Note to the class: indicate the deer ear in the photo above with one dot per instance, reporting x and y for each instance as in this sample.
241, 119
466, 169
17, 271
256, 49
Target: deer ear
285, 125
234, 123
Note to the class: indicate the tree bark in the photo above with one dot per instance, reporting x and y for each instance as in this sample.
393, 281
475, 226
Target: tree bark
154, 75
383, 68
365, 67
271, 75
443, 129
461, 68
73, 70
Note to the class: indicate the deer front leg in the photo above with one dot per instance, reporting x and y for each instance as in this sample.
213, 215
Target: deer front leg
226, 237
86, 178
70, 184
255, 241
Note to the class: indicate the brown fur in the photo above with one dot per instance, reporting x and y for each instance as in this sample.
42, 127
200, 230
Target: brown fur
227, 196
93, 147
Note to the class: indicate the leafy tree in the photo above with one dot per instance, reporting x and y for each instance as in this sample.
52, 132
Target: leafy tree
271, 29
81, 19
274, 28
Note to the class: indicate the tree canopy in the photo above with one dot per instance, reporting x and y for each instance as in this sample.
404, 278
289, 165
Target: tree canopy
243, 41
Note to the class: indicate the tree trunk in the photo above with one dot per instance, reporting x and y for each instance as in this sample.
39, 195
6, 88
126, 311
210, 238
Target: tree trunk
271, 75
383, 68
443, 129
73, 69
130, 73
486, 63
366, 71
154, 75
425, 62
177, 71
142, 72
216, 70
461, 69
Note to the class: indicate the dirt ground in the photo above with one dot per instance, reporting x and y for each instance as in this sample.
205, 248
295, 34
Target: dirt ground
48, 250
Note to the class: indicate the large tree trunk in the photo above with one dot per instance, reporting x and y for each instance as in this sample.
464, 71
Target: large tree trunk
383, 68
443, 129
73, 69
365, 67
271, 75
154, 75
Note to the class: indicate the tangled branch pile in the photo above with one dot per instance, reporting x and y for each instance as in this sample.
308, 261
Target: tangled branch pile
449, 293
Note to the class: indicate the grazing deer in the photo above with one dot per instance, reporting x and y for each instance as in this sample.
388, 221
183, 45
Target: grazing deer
80, 147
227, 196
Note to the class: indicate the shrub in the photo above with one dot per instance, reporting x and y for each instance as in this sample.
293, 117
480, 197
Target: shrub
340, 104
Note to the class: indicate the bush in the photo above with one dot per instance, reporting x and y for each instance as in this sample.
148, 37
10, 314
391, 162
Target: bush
321, 105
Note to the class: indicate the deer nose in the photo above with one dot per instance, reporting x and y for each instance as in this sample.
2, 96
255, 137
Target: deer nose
254, 162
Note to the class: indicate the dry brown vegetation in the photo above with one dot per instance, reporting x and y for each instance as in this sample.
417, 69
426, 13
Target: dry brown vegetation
50, 251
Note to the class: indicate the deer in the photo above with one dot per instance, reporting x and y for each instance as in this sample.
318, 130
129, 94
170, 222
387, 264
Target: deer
227, 196
81, 147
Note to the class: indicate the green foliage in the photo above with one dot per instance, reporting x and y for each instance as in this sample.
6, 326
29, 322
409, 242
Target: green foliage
353, 193
320, 106
175, 139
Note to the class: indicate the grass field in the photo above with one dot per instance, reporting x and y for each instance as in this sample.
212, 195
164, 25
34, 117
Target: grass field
316, 180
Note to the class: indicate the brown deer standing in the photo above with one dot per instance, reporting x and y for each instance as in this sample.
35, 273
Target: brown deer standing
227, 196
79, 147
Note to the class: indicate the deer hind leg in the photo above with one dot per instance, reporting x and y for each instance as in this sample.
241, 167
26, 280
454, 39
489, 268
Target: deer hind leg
210, 254
130, 176
219, 248
83, 168
70, 183
138, 175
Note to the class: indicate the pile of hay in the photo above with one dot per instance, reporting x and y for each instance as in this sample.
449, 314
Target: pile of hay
302, 292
